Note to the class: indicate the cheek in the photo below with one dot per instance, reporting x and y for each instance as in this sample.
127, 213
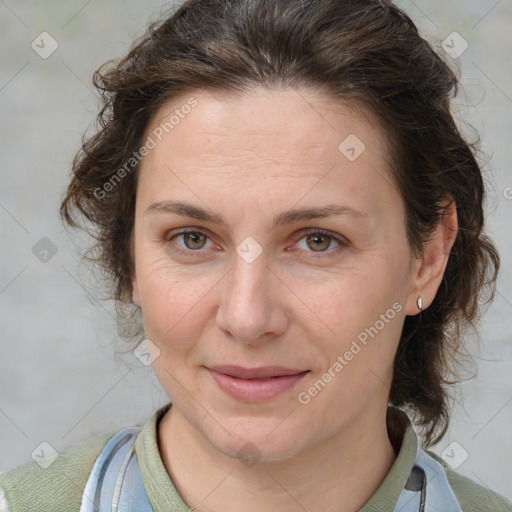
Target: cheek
351, 298
177, 304
359, 316
168, 302
365, 322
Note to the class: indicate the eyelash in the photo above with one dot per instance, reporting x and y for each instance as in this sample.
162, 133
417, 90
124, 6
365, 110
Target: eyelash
312, 231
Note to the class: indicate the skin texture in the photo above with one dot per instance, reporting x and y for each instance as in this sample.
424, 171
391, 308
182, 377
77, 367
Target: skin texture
249, 158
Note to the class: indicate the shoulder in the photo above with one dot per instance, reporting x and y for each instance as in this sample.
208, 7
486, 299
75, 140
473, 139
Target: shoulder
472, 496
59, 487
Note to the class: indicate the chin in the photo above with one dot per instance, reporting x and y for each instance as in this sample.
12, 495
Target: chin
258, 440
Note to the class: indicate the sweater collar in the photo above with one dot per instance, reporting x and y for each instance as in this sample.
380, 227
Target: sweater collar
163, 495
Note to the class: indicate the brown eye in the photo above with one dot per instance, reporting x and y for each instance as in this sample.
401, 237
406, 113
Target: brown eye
194, 240
189, 242
318, 242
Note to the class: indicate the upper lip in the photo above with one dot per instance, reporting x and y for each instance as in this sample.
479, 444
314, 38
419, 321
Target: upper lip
261, 372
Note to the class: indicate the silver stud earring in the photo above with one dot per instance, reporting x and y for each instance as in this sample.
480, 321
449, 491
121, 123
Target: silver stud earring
420, 303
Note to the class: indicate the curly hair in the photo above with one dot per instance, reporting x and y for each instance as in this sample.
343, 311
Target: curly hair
364, 51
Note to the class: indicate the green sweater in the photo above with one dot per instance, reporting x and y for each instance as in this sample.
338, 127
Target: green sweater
29, 488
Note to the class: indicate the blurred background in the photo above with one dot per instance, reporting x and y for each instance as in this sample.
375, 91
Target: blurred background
61, 380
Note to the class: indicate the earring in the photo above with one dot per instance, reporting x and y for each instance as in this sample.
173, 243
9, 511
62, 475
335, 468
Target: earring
420, 303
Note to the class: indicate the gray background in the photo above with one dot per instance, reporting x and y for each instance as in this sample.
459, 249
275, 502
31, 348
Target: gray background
60, 379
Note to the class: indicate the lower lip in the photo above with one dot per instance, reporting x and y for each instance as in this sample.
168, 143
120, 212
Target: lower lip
255, 390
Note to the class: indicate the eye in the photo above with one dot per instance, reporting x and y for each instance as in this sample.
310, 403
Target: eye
192, 241
320, 241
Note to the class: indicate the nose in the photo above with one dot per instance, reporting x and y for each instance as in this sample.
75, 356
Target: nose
252, 307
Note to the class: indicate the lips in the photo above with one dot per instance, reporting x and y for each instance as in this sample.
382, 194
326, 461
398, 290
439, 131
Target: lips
255, 384
263, 372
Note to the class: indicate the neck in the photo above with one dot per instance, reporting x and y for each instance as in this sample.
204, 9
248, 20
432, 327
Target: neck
340, 474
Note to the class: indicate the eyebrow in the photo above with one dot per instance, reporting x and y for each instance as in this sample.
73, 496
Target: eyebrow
287, 217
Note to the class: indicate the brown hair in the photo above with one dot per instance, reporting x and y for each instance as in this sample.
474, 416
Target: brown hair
363, 51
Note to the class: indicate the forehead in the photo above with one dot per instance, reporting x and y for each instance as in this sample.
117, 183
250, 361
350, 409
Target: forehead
250, 103
288, 135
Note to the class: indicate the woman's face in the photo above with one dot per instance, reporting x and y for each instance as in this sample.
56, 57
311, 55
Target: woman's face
278, 315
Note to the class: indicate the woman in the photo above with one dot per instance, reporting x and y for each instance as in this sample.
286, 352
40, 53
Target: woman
292, 221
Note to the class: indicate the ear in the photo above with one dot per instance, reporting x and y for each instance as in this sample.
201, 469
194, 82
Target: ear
429, 270
135, 289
